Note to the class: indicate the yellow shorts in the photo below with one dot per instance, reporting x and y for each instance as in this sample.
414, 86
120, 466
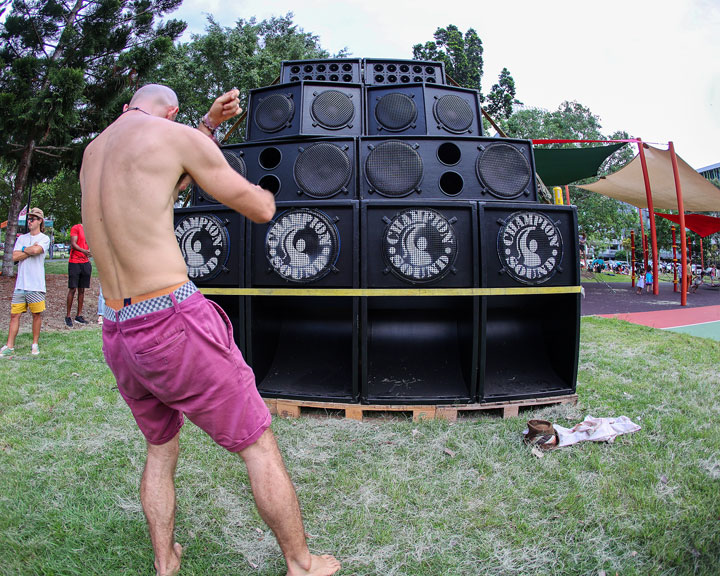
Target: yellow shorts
24, 299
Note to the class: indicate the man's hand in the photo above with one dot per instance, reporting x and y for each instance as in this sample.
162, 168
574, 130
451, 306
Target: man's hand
224, 108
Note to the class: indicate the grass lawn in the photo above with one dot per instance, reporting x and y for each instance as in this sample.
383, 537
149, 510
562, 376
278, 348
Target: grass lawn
60, 266
387, 497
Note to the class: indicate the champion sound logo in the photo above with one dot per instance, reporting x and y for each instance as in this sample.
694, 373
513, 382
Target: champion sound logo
420, 245
530, 247
302, 245
204, 242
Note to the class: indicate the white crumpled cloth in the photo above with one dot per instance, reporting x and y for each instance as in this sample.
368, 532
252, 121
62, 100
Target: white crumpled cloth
595, 430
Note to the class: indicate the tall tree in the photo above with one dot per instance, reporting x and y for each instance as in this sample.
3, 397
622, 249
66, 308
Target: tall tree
501, 99
62, 66
245, 56
461, 54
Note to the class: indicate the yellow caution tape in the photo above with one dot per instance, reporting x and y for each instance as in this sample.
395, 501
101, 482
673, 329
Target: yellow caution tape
390, 292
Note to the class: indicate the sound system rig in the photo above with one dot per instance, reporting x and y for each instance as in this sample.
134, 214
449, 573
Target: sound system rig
409, 260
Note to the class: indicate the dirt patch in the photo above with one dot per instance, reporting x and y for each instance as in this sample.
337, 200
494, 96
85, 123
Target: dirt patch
56, 302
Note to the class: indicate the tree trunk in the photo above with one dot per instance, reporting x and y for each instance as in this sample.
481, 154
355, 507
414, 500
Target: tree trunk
15, 205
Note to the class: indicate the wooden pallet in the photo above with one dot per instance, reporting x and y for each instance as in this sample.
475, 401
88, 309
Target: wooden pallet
294, 408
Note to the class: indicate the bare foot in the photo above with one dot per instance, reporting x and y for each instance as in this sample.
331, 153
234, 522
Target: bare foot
173, 565
324, 565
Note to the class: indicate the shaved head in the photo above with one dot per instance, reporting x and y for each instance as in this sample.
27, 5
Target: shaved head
155, 93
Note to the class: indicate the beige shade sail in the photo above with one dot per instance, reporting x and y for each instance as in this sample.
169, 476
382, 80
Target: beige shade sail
628, 184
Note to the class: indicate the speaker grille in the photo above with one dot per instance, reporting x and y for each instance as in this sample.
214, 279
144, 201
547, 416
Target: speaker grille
322, 170
302, 245
274, 112
453, 113
332, 109
420, 245
530, 247
396, 112
236, 163
394, 168
205, 244
504, 170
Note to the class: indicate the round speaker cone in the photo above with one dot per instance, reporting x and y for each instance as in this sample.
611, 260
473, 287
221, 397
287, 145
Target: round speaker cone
453, 113
322, 170
302, 245
205, 244
394, 168
274, 112
504, 170
530, 247
236, 163
395, 112
332, 109
419, 245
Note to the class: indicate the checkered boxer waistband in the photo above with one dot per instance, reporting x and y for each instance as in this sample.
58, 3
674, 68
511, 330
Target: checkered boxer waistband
151, 305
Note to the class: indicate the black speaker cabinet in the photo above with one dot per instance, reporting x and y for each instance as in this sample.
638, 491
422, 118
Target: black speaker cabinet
529, 245
379, 71
419, 350
306, 245
304, 109
422, 109
211, 241
529, 346
428, 167
304, 347
417, 245
302, 170
343, 70
202, 198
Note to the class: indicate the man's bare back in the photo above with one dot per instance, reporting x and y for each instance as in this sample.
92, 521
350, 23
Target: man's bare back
129, 178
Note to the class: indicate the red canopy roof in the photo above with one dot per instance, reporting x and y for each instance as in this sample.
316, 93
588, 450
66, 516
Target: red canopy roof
698, 223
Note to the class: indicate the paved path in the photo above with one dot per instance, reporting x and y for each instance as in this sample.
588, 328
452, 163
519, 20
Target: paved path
701, 316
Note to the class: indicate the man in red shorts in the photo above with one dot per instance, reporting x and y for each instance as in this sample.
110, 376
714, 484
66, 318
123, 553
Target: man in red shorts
171, 350
79, 272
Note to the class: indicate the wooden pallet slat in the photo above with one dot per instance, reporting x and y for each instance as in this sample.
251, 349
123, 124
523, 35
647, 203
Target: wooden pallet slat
285, 408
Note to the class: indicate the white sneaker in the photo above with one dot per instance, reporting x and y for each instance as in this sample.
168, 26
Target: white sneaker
35, 350
6, 352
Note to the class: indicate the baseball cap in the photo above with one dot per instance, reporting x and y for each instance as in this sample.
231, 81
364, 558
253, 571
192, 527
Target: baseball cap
37, 212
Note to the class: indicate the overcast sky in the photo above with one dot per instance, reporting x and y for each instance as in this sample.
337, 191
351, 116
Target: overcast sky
650, 67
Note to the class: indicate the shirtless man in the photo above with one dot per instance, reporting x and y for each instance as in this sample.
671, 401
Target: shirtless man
170, 349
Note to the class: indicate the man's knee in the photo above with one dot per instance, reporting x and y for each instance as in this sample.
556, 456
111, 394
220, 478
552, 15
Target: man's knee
265, 445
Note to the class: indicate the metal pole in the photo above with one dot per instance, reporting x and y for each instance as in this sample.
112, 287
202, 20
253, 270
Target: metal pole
632, 257
675, 280
651, 215
643, 239
681, 214
702, 256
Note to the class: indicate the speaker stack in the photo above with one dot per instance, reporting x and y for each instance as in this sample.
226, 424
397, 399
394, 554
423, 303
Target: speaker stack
409, 260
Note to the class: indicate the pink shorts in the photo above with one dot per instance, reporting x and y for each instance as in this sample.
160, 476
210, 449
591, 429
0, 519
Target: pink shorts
182, 359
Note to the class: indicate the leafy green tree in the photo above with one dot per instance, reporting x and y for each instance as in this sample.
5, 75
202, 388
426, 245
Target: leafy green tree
64, 66
461, 54
60, 197
245, 56
501, 99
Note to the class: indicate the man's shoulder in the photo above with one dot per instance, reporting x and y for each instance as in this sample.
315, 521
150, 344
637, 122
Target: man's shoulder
75, 227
